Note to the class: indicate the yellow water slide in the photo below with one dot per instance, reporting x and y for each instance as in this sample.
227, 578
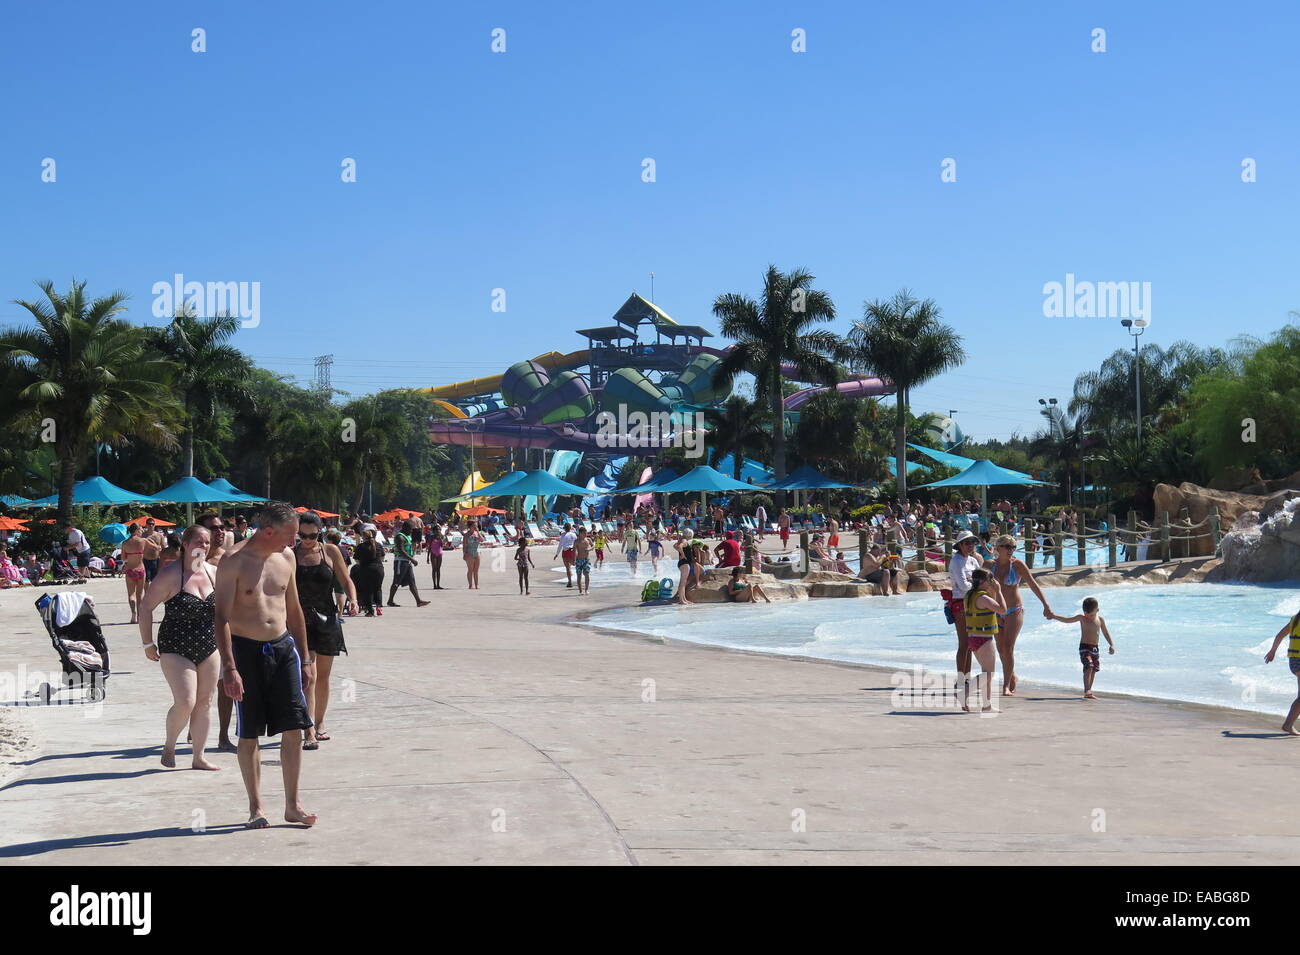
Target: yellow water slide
551, 361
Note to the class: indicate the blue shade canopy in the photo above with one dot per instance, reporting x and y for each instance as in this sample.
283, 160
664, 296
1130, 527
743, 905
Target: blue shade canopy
97, 490
230, 493
944, 457
189, 490
750, 470
985, 474
805, 478
13, 500
703, 478
662, 476
912, 467
497, 487
532, 483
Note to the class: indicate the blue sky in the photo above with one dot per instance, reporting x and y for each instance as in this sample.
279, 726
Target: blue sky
522, 171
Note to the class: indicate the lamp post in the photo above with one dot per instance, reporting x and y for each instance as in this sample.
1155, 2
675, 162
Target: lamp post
1048, 405
1140, 324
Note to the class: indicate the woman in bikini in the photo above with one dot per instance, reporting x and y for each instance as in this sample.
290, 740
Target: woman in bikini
470, 544
133, 558
186, 648
1011, 572
319, 565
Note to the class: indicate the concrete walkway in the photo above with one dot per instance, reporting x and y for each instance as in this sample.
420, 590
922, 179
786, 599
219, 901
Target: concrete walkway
487, 728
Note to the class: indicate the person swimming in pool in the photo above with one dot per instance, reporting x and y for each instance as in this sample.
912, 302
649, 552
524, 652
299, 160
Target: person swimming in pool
1291, 632
1011, 573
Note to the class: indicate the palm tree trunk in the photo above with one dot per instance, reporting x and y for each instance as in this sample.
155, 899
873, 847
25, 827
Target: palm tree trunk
778, 432
900, 447
189, 453
67, 478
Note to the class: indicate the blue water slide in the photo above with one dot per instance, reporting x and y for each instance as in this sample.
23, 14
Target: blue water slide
606, 480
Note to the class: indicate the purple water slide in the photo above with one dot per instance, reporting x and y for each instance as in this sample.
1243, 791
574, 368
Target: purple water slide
858, 386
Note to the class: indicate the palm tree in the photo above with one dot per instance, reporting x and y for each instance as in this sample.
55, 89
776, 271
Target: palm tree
738, 428
89, 375
209, 372
1061, 443
906, 341
779, 329
375, 452
1106, 397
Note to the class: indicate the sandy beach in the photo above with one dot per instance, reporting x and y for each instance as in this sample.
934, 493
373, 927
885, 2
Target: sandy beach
494, 728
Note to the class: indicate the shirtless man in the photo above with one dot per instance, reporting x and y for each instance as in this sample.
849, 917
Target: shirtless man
265, 664
154, 542
218, 547
133, 550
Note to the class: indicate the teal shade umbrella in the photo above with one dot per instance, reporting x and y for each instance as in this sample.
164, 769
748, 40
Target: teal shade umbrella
662, 476
536, 483
97, 490
703, 478
944, 457
912, 467
805, 478
14, 500
189, 490
113, 534
985, 474
231, 494
495, 489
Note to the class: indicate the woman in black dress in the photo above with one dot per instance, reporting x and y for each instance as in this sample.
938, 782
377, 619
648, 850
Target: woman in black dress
186, 647
320, 564
368, 573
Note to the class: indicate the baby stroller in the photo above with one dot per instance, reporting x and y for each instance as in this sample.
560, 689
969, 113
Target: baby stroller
61, 567
78, 641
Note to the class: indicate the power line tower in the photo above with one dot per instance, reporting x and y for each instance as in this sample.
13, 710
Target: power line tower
324, 363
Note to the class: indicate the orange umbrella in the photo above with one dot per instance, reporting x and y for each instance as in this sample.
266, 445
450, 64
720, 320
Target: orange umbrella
398, 514
12, 524
312, 510
480, 510
143, 518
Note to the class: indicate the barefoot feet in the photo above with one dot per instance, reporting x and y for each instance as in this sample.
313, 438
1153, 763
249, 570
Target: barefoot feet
299, 816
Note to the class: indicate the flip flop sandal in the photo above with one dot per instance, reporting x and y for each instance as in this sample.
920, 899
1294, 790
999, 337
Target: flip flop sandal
323, 737
310, 744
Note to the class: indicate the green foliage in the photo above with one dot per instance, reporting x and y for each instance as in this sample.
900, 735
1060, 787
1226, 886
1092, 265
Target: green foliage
1262, 385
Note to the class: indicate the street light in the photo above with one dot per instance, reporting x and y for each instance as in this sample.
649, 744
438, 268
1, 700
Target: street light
1048, 404
1140, 324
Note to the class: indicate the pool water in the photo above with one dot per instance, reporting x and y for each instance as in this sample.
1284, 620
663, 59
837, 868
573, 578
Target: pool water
1200, 643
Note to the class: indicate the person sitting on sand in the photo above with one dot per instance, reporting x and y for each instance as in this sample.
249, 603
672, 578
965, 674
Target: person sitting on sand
982, 605
740, 592
1091, 625
1292, 631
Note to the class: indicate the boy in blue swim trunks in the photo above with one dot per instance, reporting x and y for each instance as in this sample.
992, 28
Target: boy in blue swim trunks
582, 561
1091, 626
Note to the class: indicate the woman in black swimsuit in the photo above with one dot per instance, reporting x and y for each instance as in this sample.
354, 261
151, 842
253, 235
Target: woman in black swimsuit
368, 574
186, 648
320, 564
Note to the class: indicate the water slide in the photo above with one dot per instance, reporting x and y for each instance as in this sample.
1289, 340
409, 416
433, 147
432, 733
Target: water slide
606, 480
551, 361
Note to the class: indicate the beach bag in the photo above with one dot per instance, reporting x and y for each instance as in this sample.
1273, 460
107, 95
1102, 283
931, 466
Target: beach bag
666, 588
947, 607
650, 591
